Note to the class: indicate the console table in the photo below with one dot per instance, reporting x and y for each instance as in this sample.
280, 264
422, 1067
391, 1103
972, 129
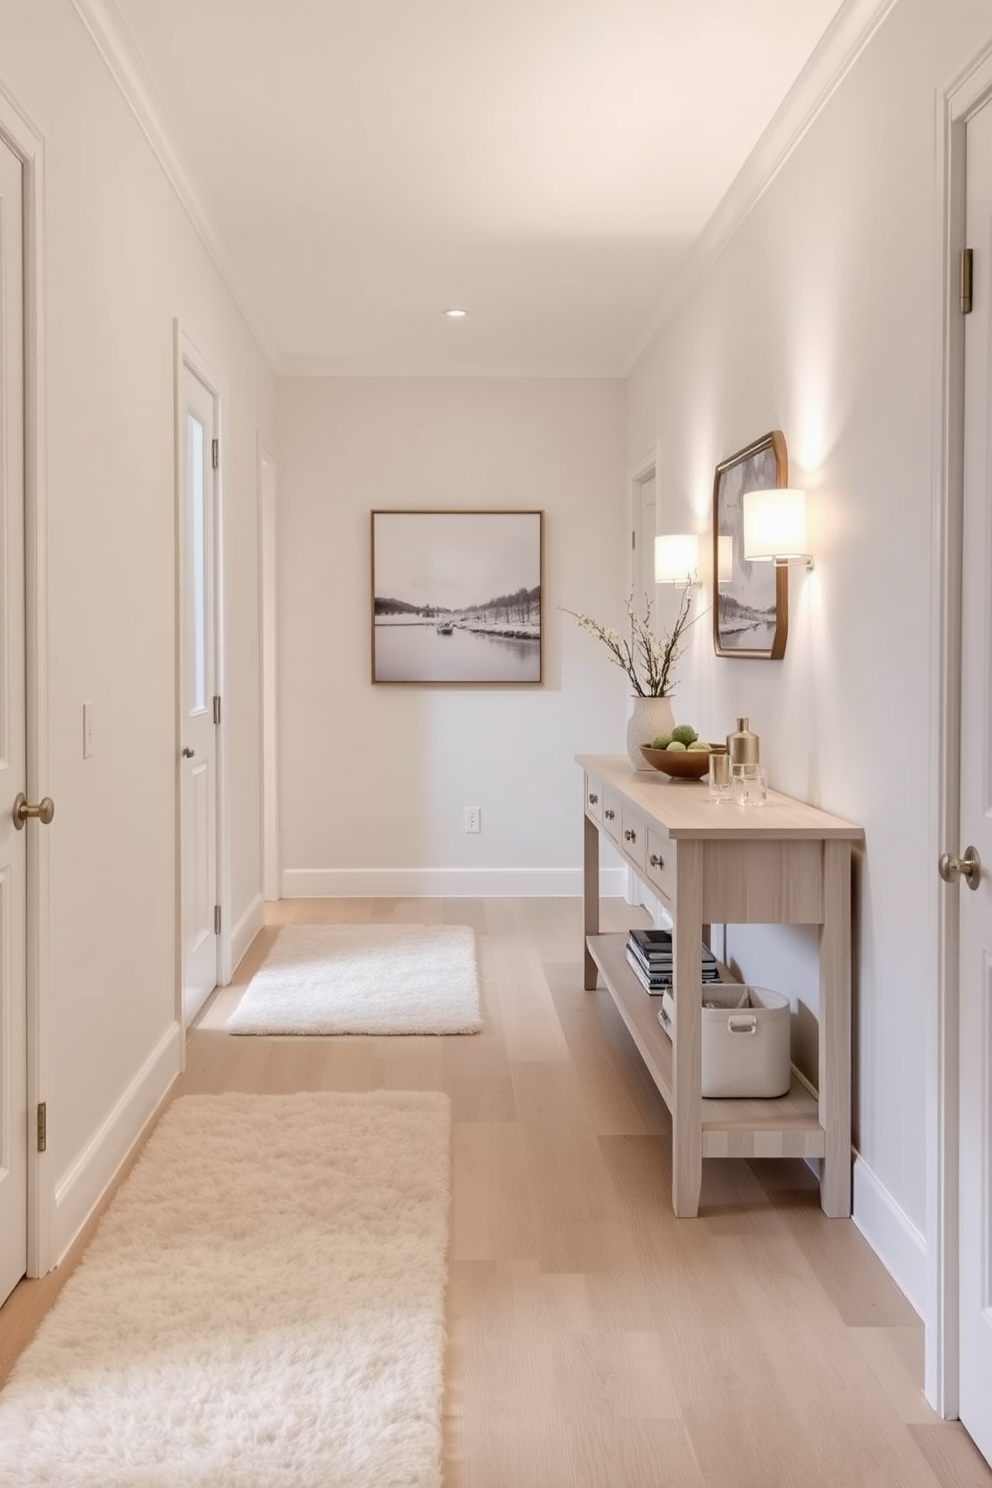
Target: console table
781, 863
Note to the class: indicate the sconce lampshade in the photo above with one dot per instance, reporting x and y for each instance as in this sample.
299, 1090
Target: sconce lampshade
676, 557
775, 525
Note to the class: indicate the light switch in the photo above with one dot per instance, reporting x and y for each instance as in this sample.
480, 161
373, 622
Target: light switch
87, 730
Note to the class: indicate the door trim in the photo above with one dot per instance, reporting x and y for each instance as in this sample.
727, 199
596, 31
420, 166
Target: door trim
268, 662
27, 143
187, 354
961, 97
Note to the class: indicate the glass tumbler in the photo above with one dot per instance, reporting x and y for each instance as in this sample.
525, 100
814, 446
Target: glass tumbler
749, 785
721, 788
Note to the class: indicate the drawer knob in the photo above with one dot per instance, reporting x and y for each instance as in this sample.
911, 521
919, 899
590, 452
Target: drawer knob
593, 800
609, 814
655, 861
630, 835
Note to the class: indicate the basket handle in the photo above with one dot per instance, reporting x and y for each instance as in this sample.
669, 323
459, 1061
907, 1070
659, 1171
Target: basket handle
742, 1023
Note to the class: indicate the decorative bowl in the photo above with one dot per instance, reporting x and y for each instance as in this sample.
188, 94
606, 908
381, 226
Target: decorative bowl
681, 764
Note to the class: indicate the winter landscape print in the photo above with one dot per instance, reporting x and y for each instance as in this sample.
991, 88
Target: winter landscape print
751, 615
456, 596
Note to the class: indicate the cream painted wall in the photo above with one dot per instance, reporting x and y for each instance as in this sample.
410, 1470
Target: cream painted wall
374, 779
818, 319
122, 261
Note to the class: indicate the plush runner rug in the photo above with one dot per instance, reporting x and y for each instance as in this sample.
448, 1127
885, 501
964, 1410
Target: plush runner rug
364, 979
262, 1306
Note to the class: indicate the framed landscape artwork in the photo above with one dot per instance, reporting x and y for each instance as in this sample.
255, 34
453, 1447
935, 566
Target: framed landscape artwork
456, 596
751, 613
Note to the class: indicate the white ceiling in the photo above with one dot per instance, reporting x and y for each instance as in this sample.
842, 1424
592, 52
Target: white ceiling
547, 164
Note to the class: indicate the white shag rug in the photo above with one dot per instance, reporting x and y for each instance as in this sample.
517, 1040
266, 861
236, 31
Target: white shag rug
262, 1306
364, 979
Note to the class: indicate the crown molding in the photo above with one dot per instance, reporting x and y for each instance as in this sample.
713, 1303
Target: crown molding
850, 31
113, 41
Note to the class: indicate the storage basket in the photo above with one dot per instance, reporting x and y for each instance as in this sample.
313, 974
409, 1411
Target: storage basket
746, 1040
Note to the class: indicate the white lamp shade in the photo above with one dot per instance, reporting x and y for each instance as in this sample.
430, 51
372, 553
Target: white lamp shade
676, 557
775, 524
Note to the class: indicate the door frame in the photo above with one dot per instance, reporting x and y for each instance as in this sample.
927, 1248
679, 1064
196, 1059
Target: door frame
188, 355
25, 140
268, 664
957, 101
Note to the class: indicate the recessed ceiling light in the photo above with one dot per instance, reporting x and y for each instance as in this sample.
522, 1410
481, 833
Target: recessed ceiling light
456, 314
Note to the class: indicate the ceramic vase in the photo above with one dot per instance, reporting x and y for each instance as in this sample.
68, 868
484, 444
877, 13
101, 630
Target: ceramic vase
651, 716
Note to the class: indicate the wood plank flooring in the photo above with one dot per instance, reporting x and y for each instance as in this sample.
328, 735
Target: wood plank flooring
595, 1341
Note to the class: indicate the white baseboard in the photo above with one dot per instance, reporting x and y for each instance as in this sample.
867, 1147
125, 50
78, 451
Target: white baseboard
246, 929
893, 1237
81, 1187
445, 883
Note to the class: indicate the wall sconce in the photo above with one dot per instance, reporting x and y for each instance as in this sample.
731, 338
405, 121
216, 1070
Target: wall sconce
775, 527
676, 558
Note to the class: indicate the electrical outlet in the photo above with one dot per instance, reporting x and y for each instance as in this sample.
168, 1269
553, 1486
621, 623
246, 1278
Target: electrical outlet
473, 818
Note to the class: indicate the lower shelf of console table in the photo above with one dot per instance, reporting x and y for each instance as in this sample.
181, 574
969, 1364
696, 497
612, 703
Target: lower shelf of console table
788, 1126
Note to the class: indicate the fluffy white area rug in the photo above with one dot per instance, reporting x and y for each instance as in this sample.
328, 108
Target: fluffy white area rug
364, 979
262, 1307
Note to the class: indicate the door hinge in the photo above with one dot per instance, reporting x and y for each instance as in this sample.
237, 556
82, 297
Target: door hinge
216, 710
216, 919
967, 272
42, 1126
633, 542
215, 453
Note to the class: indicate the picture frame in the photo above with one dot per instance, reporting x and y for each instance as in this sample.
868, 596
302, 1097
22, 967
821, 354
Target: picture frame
457, 597
751, 604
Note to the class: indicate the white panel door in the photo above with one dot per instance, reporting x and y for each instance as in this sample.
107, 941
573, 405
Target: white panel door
13, 843
198, 732
976, 813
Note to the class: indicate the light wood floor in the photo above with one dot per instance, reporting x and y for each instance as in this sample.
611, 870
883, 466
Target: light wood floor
594, 1339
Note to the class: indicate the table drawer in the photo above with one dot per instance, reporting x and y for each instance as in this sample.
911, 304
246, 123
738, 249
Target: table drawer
612, 807
594, 799
660, 863
635, 835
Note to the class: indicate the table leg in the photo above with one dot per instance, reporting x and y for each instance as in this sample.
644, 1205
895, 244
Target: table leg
835, 1029
687, 1111
590, 898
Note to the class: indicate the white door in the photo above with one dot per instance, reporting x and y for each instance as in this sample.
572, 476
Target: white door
198, 729
13, 843
975, 1174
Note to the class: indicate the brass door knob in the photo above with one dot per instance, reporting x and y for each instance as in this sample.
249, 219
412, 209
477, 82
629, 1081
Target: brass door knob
969, 867
44, 810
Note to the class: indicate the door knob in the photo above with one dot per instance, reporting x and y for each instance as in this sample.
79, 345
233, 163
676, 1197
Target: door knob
44, 810
969, 867
188, 753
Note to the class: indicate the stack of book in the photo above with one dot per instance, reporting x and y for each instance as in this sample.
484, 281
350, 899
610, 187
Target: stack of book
649, 953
